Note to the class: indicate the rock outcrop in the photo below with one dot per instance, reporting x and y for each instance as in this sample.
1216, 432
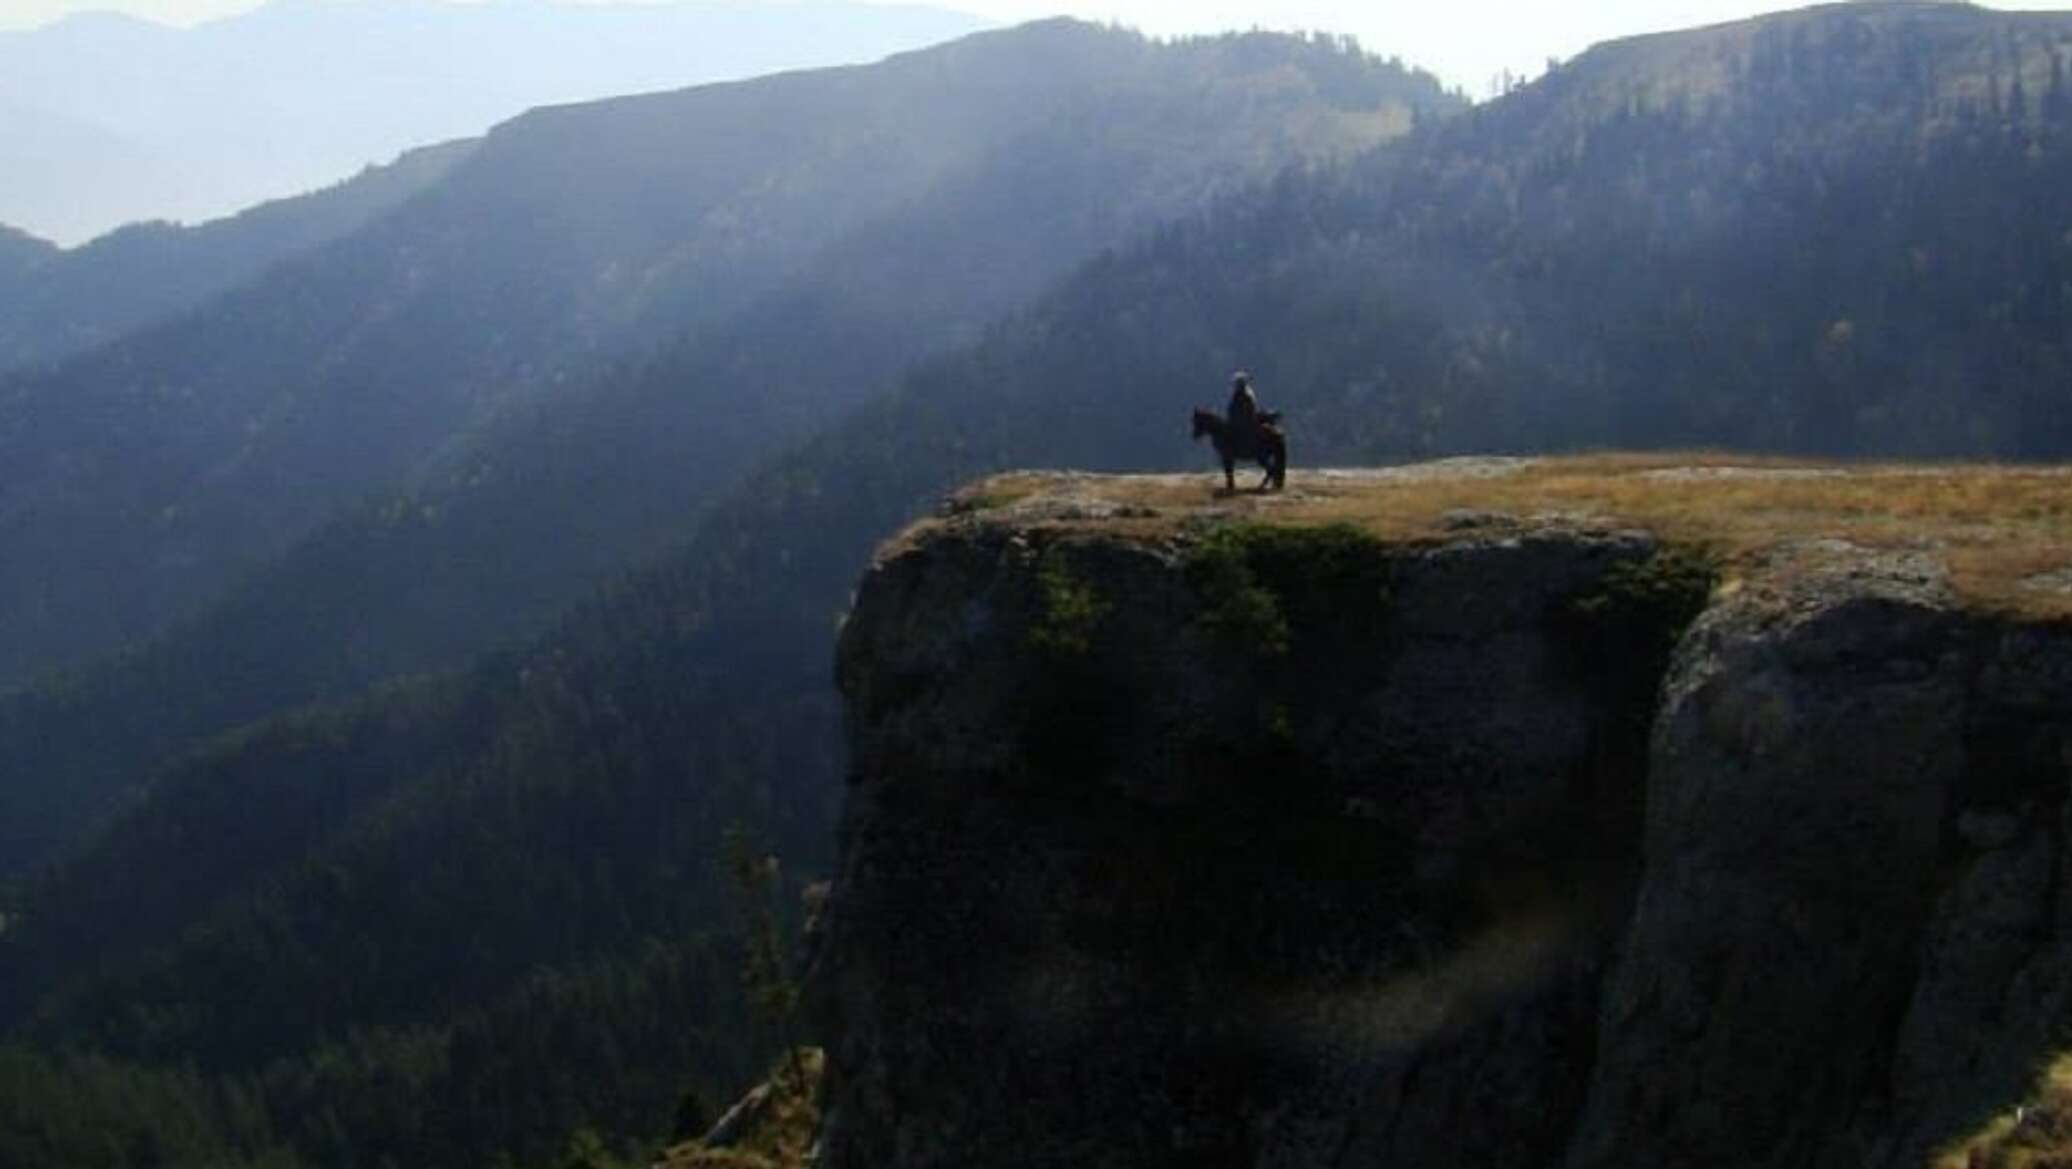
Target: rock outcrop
1223, 834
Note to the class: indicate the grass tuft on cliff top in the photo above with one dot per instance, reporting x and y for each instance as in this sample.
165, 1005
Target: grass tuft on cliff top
776, 1128
2004, 532
2038, 1135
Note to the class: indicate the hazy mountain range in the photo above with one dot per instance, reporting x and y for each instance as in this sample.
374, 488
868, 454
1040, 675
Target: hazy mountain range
576, 454
56, 302
877, 210
107, 120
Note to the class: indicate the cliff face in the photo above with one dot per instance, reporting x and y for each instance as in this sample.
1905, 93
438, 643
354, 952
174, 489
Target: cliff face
1514, 839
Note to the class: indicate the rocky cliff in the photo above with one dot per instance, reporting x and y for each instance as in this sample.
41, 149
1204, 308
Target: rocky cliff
1621, 812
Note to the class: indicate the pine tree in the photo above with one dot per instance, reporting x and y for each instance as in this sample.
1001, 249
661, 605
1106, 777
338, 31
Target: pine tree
773, 994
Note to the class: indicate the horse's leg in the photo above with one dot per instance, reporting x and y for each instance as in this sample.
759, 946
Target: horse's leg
1229, 473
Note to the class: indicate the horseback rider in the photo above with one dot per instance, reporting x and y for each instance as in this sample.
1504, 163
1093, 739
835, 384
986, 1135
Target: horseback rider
1243, 414
1244, 431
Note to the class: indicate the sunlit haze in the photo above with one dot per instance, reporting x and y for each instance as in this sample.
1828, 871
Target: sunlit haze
1467, 42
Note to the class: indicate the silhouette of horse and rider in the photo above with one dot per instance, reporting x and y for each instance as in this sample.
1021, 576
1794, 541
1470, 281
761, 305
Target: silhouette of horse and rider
1246, 433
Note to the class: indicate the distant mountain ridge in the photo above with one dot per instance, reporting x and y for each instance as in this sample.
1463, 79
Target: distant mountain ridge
117, 120
973, 188
569, 238
55, 303
20, 252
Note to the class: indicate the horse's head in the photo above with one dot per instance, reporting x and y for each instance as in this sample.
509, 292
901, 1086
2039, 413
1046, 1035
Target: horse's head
1206, 422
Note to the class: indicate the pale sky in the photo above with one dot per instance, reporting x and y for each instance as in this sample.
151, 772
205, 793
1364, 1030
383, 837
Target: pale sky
1466, 42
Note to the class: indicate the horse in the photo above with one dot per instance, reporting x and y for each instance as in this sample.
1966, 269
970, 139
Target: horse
1269, 449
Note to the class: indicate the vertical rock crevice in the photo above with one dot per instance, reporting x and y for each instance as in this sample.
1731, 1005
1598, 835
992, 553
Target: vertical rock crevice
1842, 948
1799, 763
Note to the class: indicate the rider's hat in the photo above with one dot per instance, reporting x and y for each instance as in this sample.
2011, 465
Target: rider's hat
1240, 378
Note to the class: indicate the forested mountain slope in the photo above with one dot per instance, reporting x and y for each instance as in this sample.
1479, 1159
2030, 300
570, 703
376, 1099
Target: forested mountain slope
112, 120
198, 446
55, 303
139, 479
20, 252
511, 524
1837, 234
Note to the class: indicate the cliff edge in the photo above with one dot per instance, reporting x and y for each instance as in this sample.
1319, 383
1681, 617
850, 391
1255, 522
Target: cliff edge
1618, 811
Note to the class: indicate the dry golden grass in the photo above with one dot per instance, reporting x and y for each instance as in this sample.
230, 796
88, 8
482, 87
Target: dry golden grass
2004, 532
2037, 1135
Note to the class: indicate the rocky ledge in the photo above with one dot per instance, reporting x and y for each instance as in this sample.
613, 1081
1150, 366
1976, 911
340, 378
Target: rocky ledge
1494, 812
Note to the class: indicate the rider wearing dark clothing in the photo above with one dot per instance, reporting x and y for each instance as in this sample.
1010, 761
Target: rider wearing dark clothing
1243, 414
